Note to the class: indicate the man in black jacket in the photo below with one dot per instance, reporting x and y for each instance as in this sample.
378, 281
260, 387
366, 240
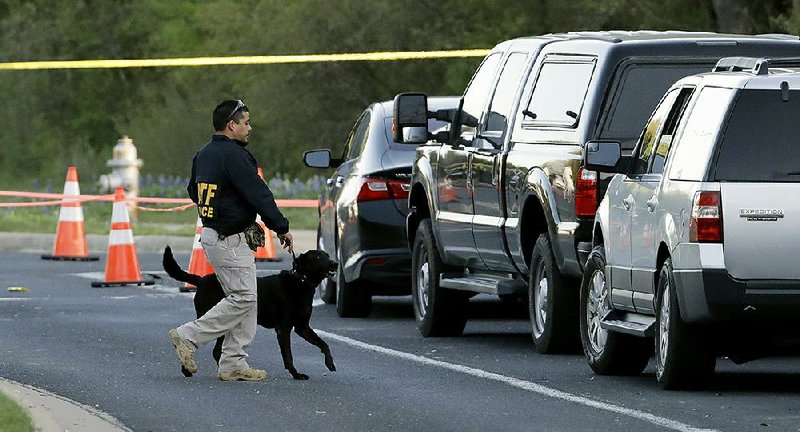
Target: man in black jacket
228, 192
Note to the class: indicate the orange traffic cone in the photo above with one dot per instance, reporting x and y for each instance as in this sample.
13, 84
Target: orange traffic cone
266, 252
198, 264
70, 234
122, 266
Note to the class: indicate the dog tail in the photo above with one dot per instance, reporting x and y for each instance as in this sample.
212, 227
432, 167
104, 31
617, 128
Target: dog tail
175, 271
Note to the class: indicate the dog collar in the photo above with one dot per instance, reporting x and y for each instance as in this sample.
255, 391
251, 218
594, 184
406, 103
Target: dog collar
301, 277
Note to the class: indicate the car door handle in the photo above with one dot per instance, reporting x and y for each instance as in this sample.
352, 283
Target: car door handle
628, 202
652, 203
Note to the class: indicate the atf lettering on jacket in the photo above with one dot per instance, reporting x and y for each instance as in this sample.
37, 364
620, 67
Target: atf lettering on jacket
206, 199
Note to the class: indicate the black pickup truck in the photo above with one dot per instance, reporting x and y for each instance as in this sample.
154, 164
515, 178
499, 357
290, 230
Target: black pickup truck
501, 204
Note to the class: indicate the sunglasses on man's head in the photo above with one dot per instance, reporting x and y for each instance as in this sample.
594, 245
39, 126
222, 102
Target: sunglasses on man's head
239, 105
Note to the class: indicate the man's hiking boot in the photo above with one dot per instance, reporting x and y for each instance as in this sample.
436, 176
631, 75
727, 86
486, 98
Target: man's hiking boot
184, 351
246, 374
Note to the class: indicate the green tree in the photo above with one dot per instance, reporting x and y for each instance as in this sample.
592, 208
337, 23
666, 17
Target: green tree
56, 118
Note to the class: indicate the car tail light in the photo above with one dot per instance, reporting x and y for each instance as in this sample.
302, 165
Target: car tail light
705, 226
586, 193
376, 189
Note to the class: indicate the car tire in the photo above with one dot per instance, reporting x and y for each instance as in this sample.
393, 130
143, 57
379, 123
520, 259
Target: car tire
684, 358
607, 352
552, 303
438, 311
326, 288
352, 298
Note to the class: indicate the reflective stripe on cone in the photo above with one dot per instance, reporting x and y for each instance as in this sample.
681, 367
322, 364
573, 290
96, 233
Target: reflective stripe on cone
122, 266
70, 243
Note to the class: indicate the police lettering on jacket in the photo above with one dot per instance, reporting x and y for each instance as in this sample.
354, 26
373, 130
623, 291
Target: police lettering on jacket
205, 192
228, 191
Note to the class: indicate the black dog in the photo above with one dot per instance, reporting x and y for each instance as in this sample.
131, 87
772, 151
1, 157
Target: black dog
284, 302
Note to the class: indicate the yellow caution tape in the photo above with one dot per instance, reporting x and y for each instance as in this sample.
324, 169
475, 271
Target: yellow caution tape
17, 289
240, 60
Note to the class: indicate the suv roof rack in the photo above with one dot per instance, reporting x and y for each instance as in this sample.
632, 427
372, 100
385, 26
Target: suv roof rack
753, 65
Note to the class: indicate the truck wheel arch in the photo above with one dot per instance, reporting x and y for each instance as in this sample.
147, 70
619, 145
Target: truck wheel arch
537, 215
420, 209
597, 235
661, 258
533, 222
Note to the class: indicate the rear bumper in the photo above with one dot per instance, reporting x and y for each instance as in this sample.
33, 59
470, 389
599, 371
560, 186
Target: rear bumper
386, 271
707, 293
373, 247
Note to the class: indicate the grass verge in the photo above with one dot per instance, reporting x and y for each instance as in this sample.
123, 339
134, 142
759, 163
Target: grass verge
12, 417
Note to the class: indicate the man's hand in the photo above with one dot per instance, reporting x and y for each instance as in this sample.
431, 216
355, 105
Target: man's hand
286, 242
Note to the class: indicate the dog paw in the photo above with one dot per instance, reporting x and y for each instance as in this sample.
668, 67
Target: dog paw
185, 372
299, 376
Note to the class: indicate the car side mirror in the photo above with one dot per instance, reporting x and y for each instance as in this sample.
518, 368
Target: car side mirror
317, 158
603, 156
410, 119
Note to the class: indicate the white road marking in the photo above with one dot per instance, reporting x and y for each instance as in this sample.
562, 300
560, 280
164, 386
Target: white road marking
101, 275
258, 272
521, 384
91, 275
479, 373
159, 290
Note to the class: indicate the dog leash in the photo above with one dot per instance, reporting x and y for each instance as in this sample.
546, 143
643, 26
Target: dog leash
294, 259
295, 273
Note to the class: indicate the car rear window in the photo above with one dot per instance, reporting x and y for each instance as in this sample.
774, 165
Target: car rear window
640, 87
762, 139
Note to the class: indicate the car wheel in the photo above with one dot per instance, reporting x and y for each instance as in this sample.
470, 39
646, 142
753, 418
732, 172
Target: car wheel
552, 303
326, 288
352, 298
683, 356
438, 311
608, 353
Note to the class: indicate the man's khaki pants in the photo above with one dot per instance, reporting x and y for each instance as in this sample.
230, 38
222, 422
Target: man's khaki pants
235, 316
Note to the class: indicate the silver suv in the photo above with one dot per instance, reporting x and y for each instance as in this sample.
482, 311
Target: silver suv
695, 244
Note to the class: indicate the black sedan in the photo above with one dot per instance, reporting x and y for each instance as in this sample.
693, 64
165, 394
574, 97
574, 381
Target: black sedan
362, 211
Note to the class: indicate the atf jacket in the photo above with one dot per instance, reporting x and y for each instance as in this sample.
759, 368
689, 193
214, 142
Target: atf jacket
228, 191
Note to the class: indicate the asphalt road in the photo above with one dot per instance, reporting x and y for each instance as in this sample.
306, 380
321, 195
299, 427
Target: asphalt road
108, 348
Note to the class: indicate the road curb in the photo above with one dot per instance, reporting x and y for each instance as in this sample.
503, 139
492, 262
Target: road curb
50, 412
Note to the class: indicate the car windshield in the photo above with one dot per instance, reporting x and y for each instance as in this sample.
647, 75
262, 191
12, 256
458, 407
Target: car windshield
759, 142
